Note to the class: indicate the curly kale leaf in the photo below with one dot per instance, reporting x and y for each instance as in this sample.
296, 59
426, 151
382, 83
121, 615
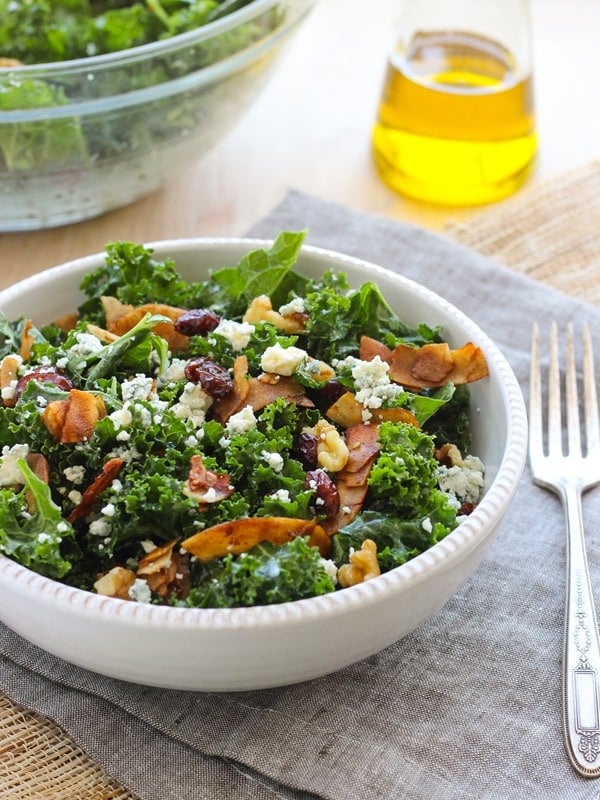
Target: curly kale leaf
23, 423
338, 318
33, 537
407, 512
278, 504
191, 15
121, 28
259, 463
405, 473
30, 33
149, 432
264, 575
131, 274
42, 31
398, 539
151, 504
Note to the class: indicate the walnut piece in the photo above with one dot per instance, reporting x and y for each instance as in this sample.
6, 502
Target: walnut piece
9, 374
332, 450
261, 310
450, 455
115, 583
362, 567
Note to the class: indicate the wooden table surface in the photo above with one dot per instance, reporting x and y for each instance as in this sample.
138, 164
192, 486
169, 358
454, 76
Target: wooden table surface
310, 130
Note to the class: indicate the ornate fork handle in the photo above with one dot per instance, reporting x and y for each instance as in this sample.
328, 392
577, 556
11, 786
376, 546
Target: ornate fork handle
581, 658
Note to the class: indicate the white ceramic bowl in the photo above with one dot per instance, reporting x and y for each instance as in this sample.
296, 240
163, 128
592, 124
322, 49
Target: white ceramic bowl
250, 648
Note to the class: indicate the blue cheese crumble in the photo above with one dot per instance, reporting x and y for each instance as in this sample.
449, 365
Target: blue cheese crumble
241, 422
463, 480
10, 472
274, 460
371, 381
174, 372
140, 591
193, 404
87, 344
282, 360
138, 388
74, 474
283, 495
295, 306
237, 333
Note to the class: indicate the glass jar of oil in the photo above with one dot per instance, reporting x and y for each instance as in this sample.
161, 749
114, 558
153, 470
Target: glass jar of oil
456, 122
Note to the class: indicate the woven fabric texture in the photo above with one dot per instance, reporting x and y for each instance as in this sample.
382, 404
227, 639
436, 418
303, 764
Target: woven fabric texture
550, 233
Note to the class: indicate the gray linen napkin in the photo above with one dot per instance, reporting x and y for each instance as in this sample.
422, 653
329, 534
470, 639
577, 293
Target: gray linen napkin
467, 706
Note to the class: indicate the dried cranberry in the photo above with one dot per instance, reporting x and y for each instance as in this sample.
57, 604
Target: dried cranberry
329, 392
44, 375
306, 450
196, 322
214, 379
327, 498
466, 508
180, 586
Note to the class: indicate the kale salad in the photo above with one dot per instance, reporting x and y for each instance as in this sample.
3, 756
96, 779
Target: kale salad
252, 438
103, 101
42, 31
35, 34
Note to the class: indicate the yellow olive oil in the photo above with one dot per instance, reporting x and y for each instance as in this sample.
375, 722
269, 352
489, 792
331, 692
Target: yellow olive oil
456, 121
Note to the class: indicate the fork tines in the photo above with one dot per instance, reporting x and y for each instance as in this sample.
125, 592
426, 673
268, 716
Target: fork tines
567, 403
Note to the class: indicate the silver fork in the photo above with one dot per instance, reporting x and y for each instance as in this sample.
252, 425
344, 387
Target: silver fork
569, 472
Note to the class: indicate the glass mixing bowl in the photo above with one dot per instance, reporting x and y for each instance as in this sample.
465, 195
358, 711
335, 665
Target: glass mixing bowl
81, 137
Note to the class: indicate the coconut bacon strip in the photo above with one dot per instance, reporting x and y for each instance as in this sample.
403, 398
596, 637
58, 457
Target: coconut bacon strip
205, 486
90, 496
257, 392
347, 412
121, 318
351, 482
240, 535
430, 365
225, 407
166, 571
73, 419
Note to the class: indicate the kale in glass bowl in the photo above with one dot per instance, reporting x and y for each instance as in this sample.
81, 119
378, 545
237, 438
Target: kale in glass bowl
84, 134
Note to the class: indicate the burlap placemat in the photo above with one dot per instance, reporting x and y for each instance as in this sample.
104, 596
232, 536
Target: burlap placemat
551, 234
